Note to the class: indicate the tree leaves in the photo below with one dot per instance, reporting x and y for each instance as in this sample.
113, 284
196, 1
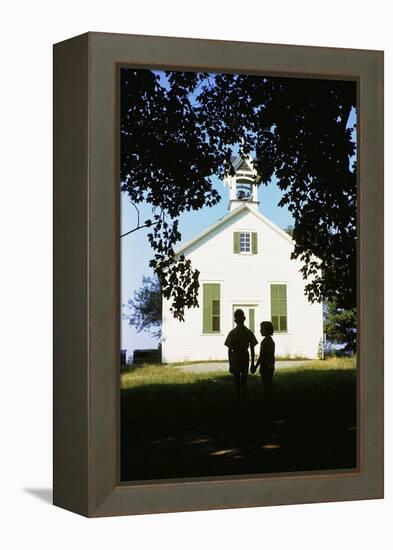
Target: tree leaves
340, 326
296, 130
167, 162
179, 130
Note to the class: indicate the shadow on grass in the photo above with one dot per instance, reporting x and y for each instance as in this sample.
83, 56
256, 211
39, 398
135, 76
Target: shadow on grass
195, 428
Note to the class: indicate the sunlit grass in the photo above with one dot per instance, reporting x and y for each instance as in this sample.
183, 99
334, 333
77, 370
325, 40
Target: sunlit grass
159, 374
168, 374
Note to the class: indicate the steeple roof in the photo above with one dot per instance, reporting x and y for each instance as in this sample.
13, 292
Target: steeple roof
241, 164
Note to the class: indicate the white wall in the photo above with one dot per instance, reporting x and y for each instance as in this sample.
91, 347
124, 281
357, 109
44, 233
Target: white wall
243, 279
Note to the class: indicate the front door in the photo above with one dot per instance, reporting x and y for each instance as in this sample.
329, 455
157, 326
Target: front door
251, 313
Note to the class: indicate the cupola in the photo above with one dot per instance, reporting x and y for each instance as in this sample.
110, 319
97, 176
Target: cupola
242, 186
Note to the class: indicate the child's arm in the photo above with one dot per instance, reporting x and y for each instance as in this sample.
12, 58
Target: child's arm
260, 357
253, 342
257, 364
253, 367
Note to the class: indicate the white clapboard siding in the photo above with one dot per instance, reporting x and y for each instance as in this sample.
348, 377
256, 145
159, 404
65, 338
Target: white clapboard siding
244, 279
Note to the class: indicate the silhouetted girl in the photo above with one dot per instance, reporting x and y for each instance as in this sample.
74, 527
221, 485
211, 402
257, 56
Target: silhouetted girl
266, 362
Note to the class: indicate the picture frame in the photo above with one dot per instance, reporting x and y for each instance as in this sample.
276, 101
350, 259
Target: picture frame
86, 383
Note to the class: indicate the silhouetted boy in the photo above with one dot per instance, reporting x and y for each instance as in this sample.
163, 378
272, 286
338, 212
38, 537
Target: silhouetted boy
239, 341
266, 362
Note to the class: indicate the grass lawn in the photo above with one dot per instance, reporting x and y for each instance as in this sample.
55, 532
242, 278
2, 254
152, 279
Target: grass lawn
179, 424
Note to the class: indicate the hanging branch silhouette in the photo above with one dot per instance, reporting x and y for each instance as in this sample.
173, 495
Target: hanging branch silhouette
148, 223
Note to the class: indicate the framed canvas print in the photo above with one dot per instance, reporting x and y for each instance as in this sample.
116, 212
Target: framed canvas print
218, 260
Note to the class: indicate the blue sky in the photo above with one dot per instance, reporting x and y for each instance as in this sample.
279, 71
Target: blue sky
136, 252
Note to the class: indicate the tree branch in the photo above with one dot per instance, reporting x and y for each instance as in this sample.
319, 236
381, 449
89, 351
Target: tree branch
137, 210
139, 227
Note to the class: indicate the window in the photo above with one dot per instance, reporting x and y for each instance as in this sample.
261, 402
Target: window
211, 308
278, 300
245, 242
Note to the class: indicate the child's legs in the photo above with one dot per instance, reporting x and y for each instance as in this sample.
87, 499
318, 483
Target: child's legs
267, 379
243, 380
240, 379
236, 378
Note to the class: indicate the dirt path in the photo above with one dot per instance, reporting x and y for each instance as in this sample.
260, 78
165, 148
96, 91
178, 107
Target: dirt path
214, 367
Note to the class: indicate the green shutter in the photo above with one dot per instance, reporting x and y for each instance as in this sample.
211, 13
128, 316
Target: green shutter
207, 308
278, 301
252, 319
236, 243
255, 243
274, 292
211, 307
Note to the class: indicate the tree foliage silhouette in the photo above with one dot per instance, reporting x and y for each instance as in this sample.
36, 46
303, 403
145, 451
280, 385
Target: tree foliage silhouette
167, 162
297, 130
177, 132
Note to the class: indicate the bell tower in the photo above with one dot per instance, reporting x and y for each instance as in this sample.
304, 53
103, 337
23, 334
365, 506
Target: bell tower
242, 186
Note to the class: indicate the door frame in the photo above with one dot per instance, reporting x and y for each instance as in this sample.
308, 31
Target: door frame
238, 304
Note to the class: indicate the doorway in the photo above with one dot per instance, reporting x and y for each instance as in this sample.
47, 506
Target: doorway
251, 313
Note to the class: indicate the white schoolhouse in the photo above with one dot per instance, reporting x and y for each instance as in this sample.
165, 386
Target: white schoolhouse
244, 262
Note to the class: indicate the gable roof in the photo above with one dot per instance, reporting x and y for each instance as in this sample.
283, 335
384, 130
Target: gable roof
227, 217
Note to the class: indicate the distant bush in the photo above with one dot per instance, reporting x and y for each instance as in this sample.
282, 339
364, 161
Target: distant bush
146, 356
332, 352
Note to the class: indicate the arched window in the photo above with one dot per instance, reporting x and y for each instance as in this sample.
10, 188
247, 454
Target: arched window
243, 189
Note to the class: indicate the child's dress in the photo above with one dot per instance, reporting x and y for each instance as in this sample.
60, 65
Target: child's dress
266, 355
267, 362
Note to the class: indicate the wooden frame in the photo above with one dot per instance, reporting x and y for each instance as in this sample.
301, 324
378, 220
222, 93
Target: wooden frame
86, 275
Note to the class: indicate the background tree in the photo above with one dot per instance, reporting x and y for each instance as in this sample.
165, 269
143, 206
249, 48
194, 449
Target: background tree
143, 311
340, 326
